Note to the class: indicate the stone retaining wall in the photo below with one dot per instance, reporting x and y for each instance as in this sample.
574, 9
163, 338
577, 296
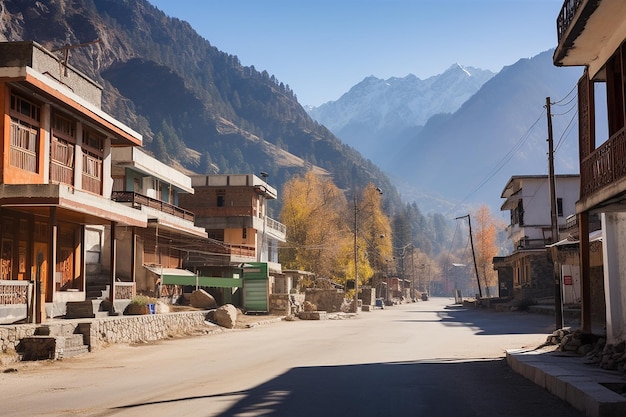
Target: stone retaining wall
329, 300
116, 329
146, 328
286, 304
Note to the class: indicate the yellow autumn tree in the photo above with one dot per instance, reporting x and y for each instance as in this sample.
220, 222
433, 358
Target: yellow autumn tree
486, 247
373, 237
311, 211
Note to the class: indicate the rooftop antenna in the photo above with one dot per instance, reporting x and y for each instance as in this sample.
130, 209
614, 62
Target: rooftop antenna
66, 51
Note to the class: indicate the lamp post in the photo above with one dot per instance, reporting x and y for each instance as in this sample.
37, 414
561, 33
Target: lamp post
356, 260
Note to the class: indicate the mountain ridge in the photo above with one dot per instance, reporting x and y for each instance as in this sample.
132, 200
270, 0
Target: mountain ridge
459, 159
196, 106
375, 112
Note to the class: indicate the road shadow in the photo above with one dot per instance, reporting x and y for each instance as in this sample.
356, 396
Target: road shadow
434, 388
488, 321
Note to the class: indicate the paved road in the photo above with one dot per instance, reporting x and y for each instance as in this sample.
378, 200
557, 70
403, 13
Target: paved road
423, 359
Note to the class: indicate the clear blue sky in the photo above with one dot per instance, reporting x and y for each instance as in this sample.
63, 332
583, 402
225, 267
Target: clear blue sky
321, 48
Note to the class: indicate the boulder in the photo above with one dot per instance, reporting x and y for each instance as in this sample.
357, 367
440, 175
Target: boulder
226, 316
202, 299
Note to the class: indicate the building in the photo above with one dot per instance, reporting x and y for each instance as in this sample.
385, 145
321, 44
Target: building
55, 181
528, 272
233, 210
591, 34
152, 187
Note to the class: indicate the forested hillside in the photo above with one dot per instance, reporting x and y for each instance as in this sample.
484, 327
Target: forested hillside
197, 107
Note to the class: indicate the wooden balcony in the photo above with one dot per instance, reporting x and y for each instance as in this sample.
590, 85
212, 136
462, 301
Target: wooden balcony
604, 166
137, 200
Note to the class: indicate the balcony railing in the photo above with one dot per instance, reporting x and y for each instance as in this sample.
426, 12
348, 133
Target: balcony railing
242, 250
61, 162
273, 224
13, 292
566, 16
605, 165
23, 146
531, 244
138, 200
226, 211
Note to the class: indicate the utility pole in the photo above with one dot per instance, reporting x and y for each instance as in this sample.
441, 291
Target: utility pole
356, 257
556, 269
469, 221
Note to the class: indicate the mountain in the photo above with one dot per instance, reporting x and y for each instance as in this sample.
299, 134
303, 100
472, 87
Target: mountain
376, 113
197, 107
469, 155
452, 141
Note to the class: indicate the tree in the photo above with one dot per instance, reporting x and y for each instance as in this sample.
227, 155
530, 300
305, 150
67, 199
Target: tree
374, 229
316, 234
486, 247
373, 237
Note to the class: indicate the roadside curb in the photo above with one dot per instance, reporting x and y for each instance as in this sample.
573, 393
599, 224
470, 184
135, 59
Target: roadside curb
571, 380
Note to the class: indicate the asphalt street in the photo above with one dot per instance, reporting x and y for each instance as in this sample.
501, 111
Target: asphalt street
429, 358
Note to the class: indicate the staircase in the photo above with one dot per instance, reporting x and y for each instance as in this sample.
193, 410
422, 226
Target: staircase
97, 286
54, 342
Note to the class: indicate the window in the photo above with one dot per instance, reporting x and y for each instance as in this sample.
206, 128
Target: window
244, 233
559, 207
517, 214
24, 133
62, 149
220, 201
92, 161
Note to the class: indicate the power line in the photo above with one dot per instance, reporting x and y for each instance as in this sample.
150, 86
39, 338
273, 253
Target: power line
509, 155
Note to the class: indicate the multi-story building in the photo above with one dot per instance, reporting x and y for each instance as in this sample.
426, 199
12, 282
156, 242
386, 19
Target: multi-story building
55, 179
592, 34
527, 271
147, 184
233, 210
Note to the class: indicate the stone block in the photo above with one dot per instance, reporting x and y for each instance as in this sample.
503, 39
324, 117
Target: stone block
226, 316
202, 299
79, 309
312, 315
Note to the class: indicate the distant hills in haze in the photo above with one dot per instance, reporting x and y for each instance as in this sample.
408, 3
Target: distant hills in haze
452, 141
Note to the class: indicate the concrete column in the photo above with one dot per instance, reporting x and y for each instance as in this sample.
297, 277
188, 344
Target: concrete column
614, 257
112, 255
78, 157
585, 269
46, 121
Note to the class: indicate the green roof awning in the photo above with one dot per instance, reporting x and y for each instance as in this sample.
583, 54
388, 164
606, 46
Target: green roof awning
174, 276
